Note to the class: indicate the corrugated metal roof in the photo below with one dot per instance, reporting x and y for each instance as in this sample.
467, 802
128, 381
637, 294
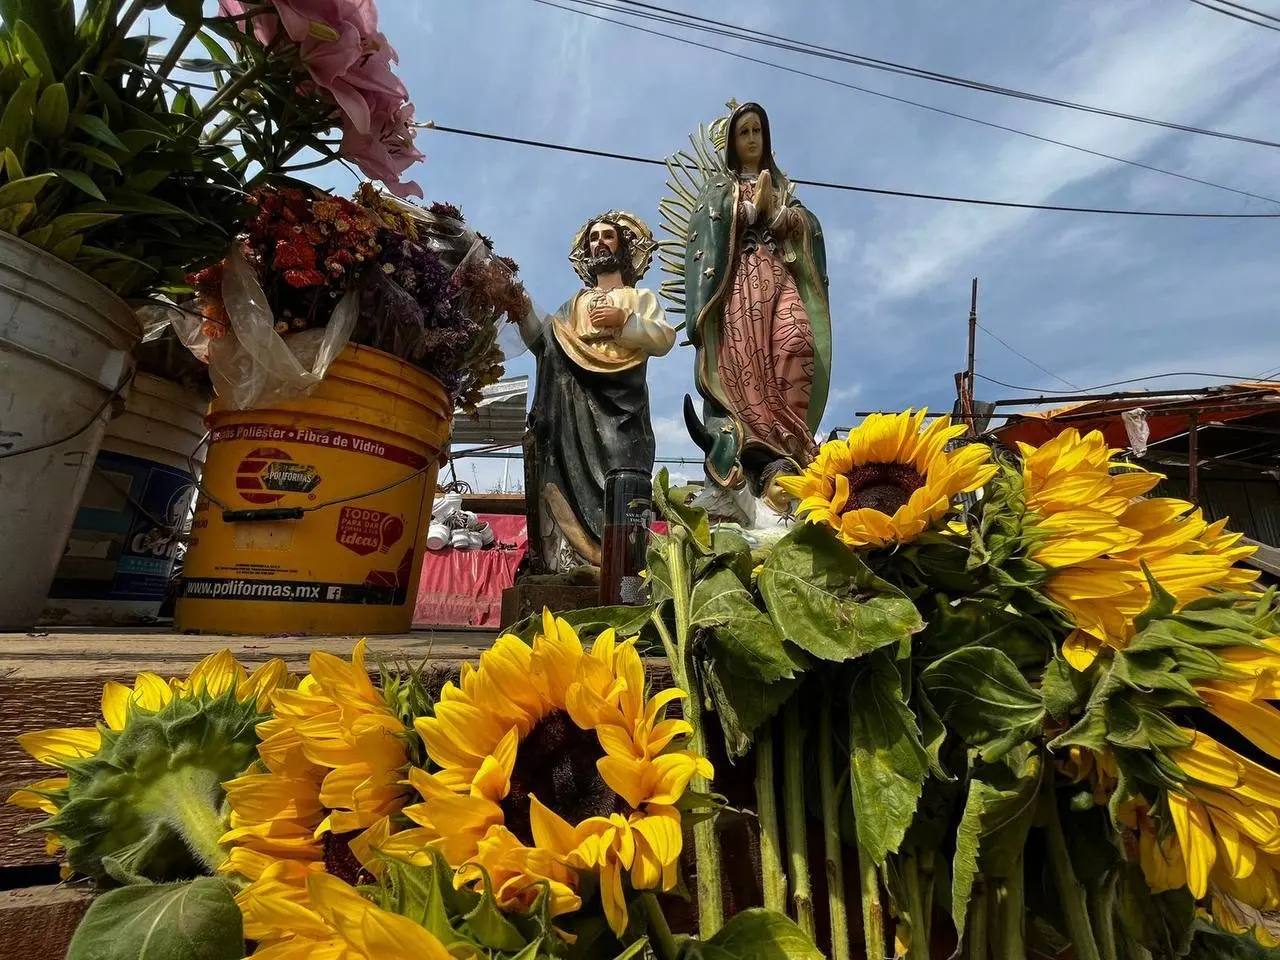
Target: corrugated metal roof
500, 417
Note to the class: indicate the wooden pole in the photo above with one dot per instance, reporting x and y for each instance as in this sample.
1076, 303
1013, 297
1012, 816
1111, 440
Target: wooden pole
973, 338
964, 381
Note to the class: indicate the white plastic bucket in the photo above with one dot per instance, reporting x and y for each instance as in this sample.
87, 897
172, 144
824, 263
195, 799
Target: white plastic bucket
128, 531
65, 346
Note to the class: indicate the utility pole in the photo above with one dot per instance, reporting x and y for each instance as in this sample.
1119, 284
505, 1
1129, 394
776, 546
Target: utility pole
964, 380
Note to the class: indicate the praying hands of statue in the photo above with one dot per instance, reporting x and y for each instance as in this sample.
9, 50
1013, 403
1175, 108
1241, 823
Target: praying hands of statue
766, 199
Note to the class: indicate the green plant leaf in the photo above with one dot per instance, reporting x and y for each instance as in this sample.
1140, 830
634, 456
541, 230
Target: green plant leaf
30, 44
69, 248
52, 111
693, 519
1064, 688
81, 181
825, 600
215, 50
18, 116
73, 223
39, 236
1164, 923
887, 762
23, 191
984, 698
98, 129
127, 201
762, 935
100, 157
627, 621
993, 829
12, 165
743, 704
188, 11
733, 551
489, 927
182, 921
751, 645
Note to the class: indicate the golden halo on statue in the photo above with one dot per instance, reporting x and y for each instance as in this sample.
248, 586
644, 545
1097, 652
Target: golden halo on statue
719, 131
642, 244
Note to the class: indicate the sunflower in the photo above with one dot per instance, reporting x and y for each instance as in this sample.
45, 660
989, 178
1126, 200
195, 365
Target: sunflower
331, 764
553, 760
1225, 840
889, 482
141, 795
1090, 525
340, 924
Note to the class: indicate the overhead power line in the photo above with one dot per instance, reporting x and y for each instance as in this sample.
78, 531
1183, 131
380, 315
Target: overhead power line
655, 13
1068, 394
904, 100
878, 191
1019, 353
1241, 16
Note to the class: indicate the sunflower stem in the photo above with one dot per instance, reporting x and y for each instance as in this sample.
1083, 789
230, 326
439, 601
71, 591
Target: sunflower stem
1070, 892
917, 918
831, 835
1133, 950
872, 912
187, 800
705, 848
1102, 899
793, 806
1010, 912
664, 944
772, 875
979, 913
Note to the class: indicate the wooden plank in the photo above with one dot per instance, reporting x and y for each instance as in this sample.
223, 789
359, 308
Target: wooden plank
36, 923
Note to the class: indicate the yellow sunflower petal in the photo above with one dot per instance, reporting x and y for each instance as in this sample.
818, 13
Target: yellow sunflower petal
1195, 835
54, 746
215, 675
115, 704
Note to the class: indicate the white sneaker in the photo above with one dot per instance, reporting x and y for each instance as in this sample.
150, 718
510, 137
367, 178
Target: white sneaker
438, 536
445, 505
481, 529
465, 540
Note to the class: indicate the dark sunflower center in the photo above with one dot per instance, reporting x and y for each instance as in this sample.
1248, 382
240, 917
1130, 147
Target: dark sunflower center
883, 486
557, 763
340, 862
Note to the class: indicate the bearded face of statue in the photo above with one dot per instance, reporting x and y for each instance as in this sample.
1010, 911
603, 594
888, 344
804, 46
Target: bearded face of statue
606, 251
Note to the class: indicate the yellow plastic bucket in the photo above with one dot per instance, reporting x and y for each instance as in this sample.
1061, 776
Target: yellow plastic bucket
313, 514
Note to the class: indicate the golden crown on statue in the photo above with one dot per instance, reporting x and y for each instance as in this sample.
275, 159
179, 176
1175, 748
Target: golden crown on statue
719, 131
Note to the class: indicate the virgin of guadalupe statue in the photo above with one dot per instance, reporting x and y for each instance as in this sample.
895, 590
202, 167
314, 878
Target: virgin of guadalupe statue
754, 291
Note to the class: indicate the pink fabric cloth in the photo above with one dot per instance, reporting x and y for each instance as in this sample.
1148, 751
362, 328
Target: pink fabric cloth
463, 588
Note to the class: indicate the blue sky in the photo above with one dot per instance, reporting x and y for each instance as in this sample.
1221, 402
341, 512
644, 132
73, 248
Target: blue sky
1090, 298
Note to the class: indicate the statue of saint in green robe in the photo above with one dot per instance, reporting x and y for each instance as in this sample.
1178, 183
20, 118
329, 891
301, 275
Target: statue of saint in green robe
757, 311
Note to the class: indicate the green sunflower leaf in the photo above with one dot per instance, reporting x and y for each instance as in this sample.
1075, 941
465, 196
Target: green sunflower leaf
887, 762
180, 921
824, 599
756, 935
693, 519
751, 645
489, 928
626, 621
982, 696
993, 828
743, 704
